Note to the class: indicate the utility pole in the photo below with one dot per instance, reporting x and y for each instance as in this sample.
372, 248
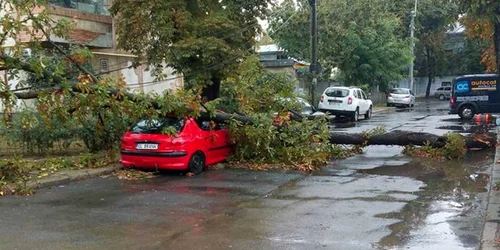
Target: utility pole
314, 44
412, 42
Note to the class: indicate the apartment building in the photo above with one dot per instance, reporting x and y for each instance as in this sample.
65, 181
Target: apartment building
94, 27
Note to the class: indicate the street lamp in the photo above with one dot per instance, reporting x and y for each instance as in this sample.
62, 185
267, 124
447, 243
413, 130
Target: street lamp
412, 41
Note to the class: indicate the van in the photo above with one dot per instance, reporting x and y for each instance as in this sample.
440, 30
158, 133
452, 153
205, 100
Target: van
475, 94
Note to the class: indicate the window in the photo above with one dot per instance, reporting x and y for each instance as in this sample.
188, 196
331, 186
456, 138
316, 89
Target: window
355, 93
337, 92
89, 6
440, 89
447, 89
104, 65
400, 91
306, 107
207, 125
446, 84
364, 95
157, 126
360, 96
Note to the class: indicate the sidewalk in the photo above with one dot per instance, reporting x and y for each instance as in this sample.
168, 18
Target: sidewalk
491, 232
68, 175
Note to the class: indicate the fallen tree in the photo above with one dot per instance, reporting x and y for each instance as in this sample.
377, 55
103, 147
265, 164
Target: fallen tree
479, 140
405, 138
399, 138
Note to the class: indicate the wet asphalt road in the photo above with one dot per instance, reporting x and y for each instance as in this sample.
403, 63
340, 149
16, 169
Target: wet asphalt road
378, 200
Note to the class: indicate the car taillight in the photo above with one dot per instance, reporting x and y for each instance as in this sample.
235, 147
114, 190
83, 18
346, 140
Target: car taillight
349, 100
321, 98
452, 101
406, 97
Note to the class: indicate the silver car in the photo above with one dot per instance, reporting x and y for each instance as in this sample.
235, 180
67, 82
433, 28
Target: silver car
443, 93
401, 97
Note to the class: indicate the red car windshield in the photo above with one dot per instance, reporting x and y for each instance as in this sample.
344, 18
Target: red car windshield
157, 125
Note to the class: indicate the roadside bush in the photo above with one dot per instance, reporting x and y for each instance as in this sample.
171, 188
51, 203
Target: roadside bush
102, 133
35, 134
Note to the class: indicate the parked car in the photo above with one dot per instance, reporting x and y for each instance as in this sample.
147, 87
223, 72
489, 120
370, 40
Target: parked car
475, 94
401, 97
443, 93
346, 101
197, 143
304, 110
307, 110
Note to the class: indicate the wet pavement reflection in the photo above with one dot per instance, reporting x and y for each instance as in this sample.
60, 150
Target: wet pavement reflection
449, 210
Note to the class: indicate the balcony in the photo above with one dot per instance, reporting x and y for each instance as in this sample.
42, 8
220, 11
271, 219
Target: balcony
97, 7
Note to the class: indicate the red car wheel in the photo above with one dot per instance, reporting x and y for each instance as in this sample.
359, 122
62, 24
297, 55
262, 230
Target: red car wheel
196, 163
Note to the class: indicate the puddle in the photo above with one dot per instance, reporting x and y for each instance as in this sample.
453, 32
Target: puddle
448, 213
458, 128
469, 128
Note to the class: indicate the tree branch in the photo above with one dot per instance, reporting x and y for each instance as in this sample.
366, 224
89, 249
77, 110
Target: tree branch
58, 48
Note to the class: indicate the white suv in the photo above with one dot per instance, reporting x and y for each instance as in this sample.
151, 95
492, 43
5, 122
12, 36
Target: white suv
346, 101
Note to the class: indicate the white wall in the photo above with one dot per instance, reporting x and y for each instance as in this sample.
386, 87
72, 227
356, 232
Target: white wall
141, 79
14, 83
132, 78
420, 84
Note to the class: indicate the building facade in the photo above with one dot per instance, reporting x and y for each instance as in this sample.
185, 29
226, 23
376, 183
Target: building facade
94, 28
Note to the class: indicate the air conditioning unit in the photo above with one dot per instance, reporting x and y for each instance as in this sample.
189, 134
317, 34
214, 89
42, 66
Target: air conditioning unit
27, 52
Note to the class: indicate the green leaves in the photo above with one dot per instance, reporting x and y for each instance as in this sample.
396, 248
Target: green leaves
355, 36
201, 39
483, 22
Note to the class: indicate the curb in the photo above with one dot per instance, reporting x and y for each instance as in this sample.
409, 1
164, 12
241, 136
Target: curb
66, 176
71, 175
381, 109
492, 225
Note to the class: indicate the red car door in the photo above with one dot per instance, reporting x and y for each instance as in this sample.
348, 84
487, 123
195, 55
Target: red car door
215, 139
222, 147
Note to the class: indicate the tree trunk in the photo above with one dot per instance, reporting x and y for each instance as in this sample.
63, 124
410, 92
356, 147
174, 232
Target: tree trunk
429, 73
404, 138
496, 40
212, 91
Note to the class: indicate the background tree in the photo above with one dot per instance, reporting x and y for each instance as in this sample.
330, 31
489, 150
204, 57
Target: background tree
483, 22
469, 61
357, 37
434, 19
203, 39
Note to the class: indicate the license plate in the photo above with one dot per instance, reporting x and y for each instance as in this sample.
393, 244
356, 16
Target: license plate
146, 146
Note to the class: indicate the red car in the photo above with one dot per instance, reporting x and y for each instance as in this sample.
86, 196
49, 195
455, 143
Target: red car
198, 143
